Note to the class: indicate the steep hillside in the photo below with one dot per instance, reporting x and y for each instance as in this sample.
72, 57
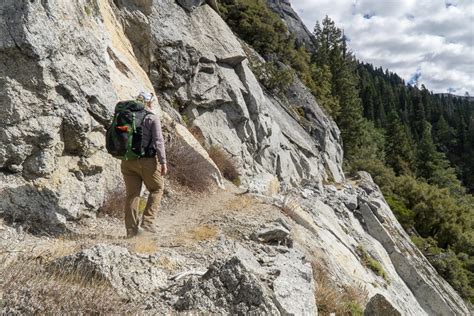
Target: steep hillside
294, 232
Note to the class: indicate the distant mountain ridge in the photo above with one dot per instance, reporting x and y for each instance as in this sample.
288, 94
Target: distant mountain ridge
468, 97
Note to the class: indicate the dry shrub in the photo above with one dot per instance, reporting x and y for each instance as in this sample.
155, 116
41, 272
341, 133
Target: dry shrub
198, 135
113, 203
225, 163
290, 205
29, 288
348, 300
187, 167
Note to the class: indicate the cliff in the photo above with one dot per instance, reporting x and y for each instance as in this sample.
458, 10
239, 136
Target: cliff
63, 67
293, 22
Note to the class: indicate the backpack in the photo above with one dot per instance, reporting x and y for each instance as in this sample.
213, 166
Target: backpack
123, 139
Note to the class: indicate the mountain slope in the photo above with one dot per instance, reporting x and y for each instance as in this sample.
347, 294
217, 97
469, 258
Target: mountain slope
60, 93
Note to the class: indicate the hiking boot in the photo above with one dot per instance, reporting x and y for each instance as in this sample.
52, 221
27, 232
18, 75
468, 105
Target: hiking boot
132, 232
150, 229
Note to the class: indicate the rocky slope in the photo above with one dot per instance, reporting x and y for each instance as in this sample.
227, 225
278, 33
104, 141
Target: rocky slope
293, 22
58, 84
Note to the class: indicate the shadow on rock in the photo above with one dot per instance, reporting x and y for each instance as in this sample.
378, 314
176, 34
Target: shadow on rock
36, 210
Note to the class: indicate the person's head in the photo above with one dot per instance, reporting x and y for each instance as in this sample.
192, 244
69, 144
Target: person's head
146, 98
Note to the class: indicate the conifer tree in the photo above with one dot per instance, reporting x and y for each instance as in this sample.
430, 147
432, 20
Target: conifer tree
400, 153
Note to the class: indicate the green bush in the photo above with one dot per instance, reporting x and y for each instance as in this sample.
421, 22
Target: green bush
274, 77
355, 309
457, 269
371, 263
405, 216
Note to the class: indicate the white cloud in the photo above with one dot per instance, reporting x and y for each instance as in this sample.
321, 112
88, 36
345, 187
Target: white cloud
433, 37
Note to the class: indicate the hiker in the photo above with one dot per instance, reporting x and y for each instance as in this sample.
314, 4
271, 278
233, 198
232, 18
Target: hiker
136, 137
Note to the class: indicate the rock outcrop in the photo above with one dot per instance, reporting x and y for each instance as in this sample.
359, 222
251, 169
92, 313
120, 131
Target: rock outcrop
130, 275
294, 23
237, 284
240, 285
58, 86
341, 231
227, 288
202, 71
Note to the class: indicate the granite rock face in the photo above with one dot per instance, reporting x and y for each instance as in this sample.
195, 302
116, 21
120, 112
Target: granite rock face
202, 71
341, 232
190, 5
227, 287
240, 286
59, 83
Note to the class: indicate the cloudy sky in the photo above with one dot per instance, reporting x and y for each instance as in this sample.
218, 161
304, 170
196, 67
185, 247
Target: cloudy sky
431, 40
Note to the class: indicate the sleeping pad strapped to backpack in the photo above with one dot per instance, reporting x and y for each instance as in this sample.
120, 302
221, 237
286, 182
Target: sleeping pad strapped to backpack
124, 136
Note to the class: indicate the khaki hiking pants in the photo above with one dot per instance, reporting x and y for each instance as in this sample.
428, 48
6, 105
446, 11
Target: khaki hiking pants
136, 172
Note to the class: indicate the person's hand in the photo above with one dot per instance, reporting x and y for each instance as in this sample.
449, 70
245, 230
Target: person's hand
164, 169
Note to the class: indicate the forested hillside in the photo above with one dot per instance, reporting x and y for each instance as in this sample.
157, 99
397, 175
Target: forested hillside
419, 147
405, 111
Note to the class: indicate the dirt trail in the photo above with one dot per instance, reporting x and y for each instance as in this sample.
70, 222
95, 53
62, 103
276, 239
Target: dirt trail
188, 223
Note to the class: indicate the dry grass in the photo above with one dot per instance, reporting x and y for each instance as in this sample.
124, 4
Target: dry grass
29, 288
113, 204
348, 300
204, 232
167, 263
241, 202
59, 248
186, 167
144, 245
225, 163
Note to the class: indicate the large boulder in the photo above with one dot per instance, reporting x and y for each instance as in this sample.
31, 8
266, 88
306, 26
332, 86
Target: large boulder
228, 288
294, 286
130, 275
240, 285
378, 305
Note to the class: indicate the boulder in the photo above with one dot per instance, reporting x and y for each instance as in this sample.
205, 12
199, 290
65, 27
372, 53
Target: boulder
227, 288
199, 154
277, 232
240, 285
378, 305
294, 286
133, 277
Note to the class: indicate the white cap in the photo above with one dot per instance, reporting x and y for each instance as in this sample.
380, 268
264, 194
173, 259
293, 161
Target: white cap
145, 96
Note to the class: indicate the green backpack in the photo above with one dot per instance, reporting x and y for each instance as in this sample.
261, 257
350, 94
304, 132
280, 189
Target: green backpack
124, 137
